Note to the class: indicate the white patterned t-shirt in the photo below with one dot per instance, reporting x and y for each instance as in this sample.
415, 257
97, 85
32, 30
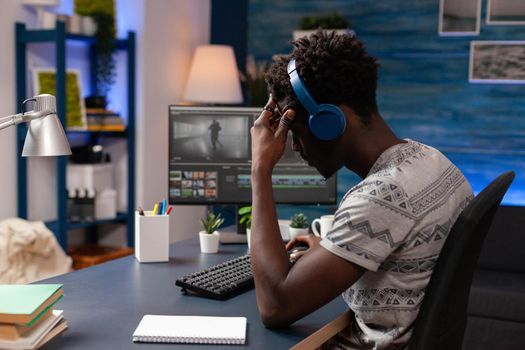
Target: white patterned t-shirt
394, 224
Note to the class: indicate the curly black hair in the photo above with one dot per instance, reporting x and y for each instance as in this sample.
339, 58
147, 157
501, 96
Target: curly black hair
335, 69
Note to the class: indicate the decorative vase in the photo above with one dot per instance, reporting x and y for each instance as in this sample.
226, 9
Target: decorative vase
89, 27
209, 242
297, 232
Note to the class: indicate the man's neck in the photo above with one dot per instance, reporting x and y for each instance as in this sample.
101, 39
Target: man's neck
368, 143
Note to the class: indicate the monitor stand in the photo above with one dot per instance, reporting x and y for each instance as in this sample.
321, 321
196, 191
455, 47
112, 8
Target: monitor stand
235, 234
232, 237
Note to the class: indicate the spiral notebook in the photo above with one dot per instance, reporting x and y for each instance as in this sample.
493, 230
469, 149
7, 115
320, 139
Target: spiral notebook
191, 329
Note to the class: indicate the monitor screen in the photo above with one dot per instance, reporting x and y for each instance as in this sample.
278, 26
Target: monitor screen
210, 161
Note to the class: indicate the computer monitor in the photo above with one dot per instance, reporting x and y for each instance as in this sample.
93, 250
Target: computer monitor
210, 161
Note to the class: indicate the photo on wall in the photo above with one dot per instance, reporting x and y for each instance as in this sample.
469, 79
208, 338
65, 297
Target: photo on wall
459, 17
44, 82
500, 62
506, 12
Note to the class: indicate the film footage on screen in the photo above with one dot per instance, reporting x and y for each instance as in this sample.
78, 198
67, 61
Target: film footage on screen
204, 138
220, 138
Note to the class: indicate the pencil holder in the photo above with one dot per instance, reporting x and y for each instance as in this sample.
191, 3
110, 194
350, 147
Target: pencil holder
152, 236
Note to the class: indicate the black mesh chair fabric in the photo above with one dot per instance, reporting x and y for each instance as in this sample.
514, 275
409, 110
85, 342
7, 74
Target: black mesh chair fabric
443, 314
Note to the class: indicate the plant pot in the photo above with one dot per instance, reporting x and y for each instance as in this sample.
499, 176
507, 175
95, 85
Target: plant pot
88, 25
297, 232
209, 242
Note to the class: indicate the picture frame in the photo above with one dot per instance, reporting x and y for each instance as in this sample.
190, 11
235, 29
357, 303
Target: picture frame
44, 82
459, 17
497, 62
505, 12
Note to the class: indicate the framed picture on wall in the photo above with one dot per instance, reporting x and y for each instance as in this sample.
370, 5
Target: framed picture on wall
501, 62
459, 17
506, 12
44, 80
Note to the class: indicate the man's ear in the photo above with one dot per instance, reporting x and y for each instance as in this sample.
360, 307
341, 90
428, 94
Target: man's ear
351, 116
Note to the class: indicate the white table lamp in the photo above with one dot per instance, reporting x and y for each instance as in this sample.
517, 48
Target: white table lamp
45, 135
213, 77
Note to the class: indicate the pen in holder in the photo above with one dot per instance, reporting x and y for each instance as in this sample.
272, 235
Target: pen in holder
152, 235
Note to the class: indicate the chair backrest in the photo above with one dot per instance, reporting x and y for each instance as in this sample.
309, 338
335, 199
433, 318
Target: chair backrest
443, 315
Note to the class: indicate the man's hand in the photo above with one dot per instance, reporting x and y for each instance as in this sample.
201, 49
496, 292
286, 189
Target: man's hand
310, 240
269, 137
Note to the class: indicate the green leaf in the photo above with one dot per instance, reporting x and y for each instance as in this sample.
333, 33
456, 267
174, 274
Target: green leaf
245, 210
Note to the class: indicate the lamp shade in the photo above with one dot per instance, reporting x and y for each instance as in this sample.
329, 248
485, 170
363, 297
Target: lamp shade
45, 136
213, 76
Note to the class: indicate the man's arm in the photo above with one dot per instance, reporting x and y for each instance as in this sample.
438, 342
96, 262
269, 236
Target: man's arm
285, 294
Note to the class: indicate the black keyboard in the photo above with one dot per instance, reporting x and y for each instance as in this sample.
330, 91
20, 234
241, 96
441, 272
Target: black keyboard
221, 281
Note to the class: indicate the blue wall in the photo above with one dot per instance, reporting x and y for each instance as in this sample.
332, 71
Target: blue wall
423, 92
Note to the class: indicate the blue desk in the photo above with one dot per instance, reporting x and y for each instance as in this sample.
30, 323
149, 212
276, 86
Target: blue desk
104, 304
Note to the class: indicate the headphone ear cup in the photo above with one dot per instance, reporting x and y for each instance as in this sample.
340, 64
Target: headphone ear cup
328, 123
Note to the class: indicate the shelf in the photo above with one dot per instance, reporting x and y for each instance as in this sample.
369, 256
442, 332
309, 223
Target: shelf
118, 134
103, 133
73, 225
60, 39
51, 35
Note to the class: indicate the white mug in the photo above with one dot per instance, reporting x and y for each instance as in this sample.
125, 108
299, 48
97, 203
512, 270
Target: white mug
325, 224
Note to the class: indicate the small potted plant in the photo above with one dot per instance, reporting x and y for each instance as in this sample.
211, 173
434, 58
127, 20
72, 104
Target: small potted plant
209, 236
102, 13
310, 24
246, 219
298, 225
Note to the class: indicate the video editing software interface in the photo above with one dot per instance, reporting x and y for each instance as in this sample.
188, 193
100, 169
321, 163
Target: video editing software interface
210, 161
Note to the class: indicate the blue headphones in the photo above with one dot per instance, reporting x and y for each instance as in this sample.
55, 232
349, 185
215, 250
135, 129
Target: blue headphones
326, 121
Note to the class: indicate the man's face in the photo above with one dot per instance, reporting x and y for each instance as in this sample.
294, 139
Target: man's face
317, 153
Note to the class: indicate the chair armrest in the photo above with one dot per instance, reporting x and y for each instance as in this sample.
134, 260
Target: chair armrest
322, 335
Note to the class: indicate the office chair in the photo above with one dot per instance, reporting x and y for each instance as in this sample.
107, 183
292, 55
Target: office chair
443, 315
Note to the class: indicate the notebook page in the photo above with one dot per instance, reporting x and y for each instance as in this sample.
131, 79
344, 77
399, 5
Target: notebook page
191, 329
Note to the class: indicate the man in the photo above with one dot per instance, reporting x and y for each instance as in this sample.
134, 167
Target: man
214, 128
388, 229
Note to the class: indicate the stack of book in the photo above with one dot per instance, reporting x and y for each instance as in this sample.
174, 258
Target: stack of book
100, 119
28, 319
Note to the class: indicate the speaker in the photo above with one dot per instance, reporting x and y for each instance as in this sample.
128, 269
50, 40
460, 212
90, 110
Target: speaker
326, 121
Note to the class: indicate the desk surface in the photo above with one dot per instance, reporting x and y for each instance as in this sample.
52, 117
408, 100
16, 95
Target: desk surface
104, 304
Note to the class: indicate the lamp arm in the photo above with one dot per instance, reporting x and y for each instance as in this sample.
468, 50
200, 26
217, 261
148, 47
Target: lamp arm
15, 119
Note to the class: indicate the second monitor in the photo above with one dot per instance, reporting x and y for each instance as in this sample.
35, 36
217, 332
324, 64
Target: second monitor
210, 161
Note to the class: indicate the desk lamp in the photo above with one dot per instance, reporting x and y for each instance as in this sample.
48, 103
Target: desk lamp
213, 77
45, 135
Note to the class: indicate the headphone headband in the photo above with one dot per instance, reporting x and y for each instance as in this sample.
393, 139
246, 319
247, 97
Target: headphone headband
300, 89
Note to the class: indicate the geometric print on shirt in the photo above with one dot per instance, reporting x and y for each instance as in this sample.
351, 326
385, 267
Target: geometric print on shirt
386, 193
383, 299
362, 227
438, 231
404, 153
394, 224
436, 194
390, 195
417, 265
